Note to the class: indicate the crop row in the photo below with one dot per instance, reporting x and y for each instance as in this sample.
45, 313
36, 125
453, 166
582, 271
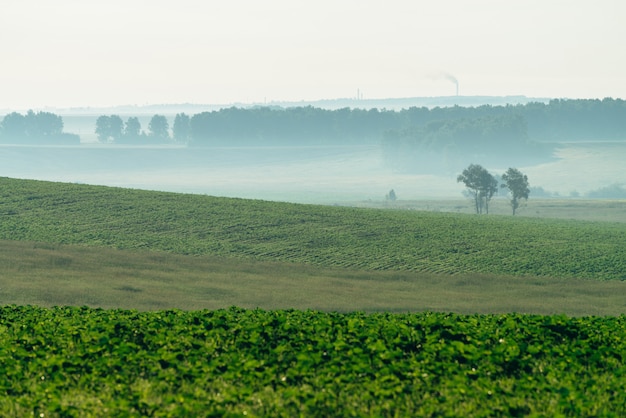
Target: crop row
322, 235
90, 362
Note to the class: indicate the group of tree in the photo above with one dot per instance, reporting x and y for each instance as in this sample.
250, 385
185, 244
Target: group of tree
448, 145
39, 128
289, 126
482, 185
113, 129
420, 139
552, 121
451, 131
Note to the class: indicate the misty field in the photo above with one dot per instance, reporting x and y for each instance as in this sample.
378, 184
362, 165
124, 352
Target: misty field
314, 174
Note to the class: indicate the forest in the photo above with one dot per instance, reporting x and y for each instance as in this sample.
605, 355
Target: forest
558, 120
456, 128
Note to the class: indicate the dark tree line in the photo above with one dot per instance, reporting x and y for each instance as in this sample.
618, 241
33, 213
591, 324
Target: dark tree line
291, 126
554, 121
447, 145
454, 131
113, 129
38, 128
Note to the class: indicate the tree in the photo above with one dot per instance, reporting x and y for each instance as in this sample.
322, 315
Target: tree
43, 124
13, 126
517, 183
159, 128
132, 129
481, 185
109, 128
182, 128
102, 128
116, 127
32, 126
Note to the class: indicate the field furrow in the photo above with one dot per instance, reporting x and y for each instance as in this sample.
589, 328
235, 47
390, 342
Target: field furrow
369, 239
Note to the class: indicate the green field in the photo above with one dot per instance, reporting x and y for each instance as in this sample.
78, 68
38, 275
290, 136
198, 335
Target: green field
110, 247
347, 296
605, 210
85, 362
55, 275
325, 236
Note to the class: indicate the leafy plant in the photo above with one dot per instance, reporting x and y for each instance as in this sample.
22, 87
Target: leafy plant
71, 361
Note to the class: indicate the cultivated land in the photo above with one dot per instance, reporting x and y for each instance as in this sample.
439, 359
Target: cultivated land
113, 247
55, 275
84, 362
100, 247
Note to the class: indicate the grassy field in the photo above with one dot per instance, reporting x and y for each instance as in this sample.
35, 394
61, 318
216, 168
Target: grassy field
325, 236
66, 244
604, 210
59, 275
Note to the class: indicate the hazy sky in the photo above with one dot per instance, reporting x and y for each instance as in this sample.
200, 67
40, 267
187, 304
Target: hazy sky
90, 53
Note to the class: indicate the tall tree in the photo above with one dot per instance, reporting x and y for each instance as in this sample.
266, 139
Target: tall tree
481, 185
159, 128
13, 126
116, 127
517, 183
103, 128
132, 129
490, 187
109, 128
182, 128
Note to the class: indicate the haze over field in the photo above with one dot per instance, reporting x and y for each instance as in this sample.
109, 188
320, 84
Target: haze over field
356, 54
306, 174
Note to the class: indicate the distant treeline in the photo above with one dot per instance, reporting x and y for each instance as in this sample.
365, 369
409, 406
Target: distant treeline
432, 129
448, 145
558, 120
35, 128
295, 125
113, 129
420, 139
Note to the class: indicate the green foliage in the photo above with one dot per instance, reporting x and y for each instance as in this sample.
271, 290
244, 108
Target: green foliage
517, 183
480, 184
90, 362
319, 235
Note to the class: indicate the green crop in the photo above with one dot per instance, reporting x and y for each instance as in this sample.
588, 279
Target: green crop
326, 236
83, 362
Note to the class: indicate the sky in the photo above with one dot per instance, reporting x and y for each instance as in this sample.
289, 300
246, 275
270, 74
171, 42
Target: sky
82, 53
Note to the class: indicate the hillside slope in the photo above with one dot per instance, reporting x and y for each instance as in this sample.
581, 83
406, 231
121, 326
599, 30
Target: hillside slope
366, 239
